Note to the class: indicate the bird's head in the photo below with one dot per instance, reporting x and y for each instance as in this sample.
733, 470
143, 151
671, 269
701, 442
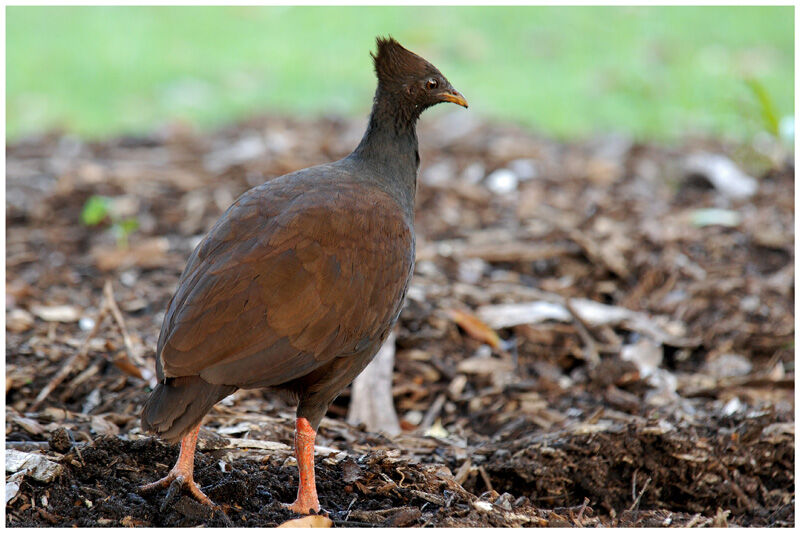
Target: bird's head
409, 78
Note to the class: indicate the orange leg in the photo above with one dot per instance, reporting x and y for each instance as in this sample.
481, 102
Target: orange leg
182, 474
304, 437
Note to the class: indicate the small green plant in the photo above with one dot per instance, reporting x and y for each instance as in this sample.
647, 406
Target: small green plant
769, 115
98, 209
95, 210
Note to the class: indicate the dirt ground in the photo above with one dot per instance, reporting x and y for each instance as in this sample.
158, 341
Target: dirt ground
597, 334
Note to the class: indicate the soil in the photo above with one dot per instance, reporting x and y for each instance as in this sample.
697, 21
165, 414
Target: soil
679, 412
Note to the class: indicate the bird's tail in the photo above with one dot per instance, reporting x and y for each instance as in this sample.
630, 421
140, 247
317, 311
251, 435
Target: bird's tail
177, 406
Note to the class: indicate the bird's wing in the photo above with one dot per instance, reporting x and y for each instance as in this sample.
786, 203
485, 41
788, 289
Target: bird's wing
285, 282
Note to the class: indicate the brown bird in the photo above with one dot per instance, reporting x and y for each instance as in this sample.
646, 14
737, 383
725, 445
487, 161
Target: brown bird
298, 284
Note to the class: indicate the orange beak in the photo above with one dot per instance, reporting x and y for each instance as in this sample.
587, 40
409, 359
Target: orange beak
455, 97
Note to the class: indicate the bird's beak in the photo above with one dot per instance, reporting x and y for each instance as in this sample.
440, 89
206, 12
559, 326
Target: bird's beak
451, 95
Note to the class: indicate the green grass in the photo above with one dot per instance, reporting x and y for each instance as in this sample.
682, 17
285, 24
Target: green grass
653, 72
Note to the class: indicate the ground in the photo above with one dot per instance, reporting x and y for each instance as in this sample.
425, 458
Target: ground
594, 335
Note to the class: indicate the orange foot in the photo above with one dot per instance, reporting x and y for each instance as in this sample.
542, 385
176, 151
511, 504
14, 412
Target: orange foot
307, 500
182, 475
178, 480
303, 504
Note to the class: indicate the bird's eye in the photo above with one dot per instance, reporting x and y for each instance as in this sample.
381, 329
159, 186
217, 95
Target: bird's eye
431, 84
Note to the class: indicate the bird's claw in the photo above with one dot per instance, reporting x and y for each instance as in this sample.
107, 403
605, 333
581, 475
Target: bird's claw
174, 488
177, 482
303, 507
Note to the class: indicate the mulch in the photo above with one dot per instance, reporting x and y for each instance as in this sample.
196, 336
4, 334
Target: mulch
595, 334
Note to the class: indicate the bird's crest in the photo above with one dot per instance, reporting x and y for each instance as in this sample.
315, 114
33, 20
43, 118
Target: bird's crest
393, 62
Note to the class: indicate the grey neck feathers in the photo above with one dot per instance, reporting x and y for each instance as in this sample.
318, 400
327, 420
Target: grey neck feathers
390, 146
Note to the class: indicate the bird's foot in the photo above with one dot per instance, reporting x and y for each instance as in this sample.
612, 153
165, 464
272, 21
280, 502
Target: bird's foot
307, 500
303, 504
178, 480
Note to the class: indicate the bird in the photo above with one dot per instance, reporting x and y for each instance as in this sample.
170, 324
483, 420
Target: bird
299, 282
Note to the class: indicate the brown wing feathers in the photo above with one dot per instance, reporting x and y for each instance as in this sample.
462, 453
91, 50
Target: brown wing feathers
297, 286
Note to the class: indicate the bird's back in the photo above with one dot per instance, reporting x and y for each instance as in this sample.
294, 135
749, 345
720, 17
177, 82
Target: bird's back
300, 270
295, 286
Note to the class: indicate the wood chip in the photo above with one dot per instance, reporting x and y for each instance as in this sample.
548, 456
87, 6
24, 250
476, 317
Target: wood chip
19, 320
485, 365
57, 313
151, 253
258, 444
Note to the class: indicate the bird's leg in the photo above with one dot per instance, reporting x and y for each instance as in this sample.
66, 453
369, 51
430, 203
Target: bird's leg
182, 474
304, 437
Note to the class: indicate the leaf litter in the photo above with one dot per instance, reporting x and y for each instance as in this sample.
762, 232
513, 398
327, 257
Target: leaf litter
577, 348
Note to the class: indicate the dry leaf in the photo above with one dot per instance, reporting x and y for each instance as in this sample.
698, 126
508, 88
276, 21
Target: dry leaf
102, 426
124, 363
36, 466
19, 320
313, 520
33, 427
437, 430
476, 328
12, 489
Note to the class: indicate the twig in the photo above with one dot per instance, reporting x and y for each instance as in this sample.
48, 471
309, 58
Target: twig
463, 471
108, 292
350, 507
432, 498
70, 387
138, 363
635, 504
693, 522
75, 447
27, 445
722, 384
75, 362
433, 412
486, 479
737, 490
348, 523
591, 352
579, 519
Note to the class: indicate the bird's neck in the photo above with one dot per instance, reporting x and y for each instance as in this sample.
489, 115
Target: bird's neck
390, 146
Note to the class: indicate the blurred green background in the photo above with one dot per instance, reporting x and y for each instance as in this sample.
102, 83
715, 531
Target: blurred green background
654, 72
